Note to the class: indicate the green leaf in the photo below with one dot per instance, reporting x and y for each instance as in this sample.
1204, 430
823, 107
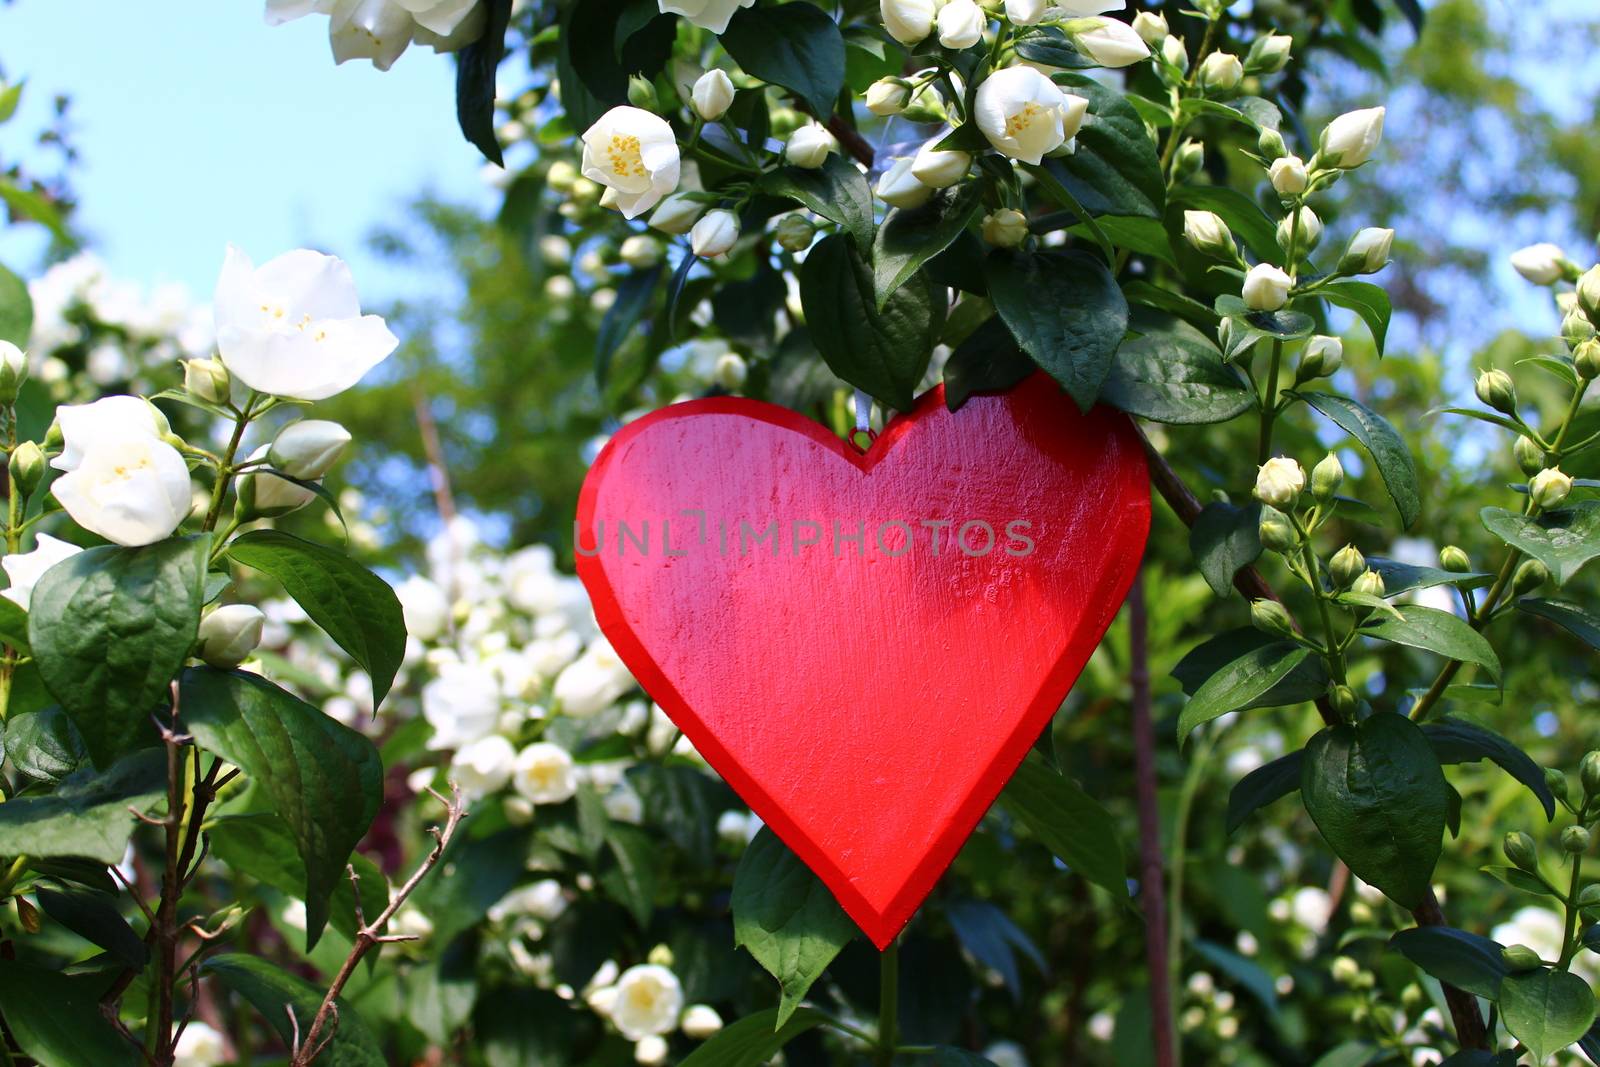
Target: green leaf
1455, 957
1224, 540
10, 97
796, 46
988, 361
787, 919
1562, 540
1284, 325
1114, 169
88, 815
93, 916
1306, 682
1070, 823
1267, 783
1387, 448
753, 1040
882, 351
1242, 214
993, 940
837, 191
1065, 311
1366, 300
1196, 314
632, 882
950, 1056
324, 779
518, 1026
1240, 684
14, 626
634, 293
1458, 741
262, 846
1436, 631
275, 993
909, 238
475, 70
1378, 796
56, 1019
1574, 618
1051, 47
1349, 1054
1546, 1010
1172, 373
352, 605
45, 745
32, 204
110, 627
1247, 972
1403, 577
1520, 879
16, 309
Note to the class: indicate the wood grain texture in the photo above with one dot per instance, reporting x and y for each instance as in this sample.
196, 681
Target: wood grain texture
867, 699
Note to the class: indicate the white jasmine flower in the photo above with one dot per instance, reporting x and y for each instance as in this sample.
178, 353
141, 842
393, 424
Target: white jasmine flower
293, 326
648, 1001
634, 153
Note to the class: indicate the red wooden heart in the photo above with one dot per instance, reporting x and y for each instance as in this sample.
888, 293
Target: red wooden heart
867, 698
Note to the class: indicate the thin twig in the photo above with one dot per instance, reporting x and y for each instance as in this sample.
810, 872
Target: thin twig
1152, 880
369, 934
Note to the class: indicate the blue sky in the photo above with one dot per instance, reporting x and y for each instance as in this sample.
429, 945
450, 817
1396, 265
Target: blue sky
199, 125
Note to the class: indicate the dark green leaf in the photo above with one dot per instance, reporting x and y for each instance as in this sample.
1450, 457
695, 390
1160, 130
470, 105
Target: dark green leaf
262, 846
1173, 373
1574, 618
352, 605
1380, 439
634, 293
1049, 46
56, 1020
475, 69
275, 993
884, 352
1349, 1054
796, 46
632, 882
1196, 314
517, 1026
1546, 1010
1065, 311
94, 917
88, 815
1114, 169
1454, 957
1248, 973
1436, 631
993, 940
110, 627
1224, 540
1403, 577
837, 191
1267, 783
949, 1056
1380, 800
45, 745
1069, 822
1284, 325
1459, 741
787, 919
16, 309
14, 625
753, 1040
909, 238
1306, 682
1241, 684
1517, 878
1562, 540
322, 778
988, 361
1365, 299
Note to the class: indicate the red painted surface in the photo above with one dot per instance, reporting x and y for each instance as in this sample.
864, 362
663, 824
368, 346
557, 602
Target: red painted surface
867, 702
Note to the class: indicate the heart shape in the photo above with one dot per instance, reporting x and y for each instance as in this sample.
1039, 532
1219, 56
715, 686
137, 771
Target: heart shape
868, 698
